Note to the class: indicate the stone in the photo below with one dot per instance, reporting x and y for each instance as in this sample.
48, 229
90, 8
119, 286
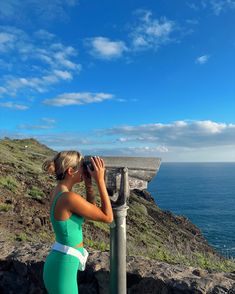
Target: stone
21, 271
144, 194
37, 222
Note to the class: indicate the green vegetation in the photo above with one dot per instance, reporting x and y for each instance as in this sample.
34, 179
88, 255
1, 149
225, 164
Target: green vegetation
25, 155
5, 207
43, 235
9, 183
140, 209
36, 193
204, 261
102, 246
21, 237
201, 260
100, 225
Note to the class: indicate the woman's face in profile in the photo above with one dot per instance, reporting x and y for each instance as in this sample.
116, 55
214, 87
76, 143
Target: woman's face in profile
79, 174
75, 174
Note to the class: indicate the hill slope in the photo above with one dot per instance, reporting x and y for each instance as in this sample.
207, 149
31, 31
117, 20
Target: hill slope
151, 232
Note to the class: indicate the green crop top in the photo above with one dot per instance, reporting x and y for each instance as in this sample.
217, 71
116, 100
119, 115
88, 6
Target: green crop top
69, 231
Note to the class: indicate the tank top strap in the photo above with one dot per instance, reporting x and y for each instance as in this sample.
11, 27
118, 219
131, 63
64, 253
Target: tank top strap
54, 202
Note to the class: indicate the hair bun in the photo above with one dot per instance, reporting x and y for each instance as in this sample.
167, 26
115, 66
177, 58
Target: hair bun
49, 166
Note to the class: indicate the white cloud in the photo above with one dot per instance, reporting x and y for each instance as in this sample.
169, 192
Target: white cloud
202, 59
216, 6
121, 100
193, 141
128, 151
6, 41
105, 48
190, 134
64, 140
15, 84
147, 149
64, 75
5, 65
150, 32
29, 11
2, 90
49, 61
78, 98
192, 21
71, 2
62, 57
13, 105
34, 127
39, 85
49, 120
44, 35
48, 123
192, 5
145, 33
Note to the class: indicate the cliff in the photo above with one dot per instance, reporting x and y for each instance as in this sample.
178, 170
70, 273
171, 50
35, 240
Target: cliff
21, 272
164, 238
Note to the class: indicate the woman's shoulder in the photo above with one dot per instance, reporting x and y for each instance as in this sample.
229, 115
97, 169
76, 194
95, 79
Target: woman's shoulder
71, 196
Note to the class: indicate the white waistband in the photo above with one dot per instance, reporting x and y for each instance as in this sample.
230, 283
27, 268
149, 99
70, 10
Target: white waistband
72, 251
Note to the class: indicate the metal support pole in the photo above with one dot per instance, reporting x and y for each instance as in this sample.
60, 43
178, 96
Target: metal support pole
118, 241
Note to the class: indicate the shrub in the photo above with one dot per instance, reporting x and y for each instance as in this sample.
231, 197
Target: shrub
102, 246
35, 193
5, 207
9, 183
21, 237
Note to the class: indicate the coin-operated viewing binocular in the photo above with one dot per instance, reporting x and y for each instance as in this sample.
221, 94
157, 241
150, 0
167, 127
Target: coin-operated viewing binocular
126, 173
123, 174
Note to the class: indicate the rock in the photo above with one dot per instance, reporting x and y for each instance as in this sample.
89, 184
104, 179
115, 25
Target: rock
198, 272
28, 220
22, 267
144, 194
37, 222
232, 290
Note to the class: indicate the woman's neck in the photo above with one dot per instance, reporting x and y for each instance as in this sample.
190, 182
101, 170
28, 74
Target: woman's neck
65, 185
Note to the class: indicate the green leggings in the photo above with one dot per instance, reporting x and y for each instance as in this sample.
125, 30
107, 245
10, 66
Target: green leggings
60, 273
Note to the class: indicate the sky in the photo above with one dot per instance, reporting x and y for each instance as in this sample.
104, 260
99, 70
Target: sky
120, 78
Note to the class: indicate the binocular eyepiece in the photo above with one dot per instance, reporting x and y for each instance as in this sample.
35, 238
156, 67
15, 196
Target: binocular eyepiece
87, 163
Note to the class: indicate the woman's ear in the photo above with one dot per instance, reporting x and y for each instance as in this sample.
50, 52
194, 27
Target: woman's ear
70, 171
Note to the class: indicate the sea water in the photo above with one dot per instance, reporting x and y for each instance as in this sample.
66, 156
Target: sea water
205, 194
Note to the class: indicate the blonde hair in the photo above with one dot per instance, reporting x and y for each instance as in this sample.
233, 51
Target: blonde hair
59, 165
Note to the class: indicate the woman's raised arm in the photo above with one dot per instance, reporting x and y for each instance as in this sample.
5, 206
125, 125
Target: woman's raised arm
80, 206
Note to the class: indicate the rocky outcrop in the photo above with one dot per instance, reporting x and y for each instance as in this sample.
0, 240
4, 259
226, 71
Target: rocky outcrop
145, 194
21, 268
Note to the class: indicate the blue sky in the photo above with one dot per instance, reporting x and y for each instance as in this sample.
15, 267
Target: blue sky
126, 78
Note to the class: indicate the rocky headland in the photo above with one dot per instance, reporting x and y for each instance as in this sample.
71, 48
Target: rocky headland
165, 253
21, 271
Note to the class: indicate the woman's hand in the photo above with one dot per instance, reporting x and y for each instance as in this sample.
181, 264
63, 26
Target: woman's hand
99, 168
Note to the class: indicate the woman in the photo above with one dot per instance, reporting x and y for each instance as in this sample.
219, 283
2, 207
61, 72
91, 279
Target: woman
67, 213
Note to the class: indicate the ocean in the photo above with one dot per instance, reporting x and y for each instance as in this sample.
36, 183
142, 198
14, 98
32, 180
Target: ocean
205, 194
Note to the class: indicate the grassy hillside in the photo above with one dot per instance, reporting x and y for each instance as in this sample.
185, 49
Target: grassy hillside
24, 210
